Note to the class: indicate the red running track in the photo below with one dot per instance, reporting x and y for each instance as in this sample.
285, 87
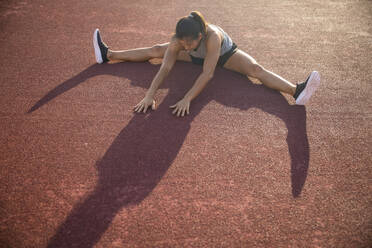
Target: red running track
247, 168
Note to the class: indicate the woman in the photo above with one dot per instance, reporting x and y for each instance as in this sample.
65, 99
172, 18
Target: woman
201, 43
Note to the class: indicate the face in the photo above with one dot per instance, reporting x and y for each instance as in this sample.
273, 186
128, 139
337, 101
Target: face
190, 44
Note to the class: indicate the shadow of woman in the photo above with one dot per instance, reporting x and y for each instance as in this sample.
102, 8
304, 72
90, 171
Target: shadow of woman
144, 150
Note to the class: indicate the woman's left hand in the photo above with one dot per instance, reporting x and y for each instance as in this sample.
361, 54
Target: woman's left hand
181, 107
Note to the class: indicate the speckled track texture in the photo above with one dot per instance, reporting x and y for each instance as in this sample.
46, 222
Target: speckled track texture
247, 168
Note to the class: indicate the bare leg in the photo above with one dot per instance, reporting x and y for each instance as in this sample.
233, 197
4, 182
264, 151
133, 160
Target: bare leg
135, 55
275, 82
138, 54
246, 65
153, 54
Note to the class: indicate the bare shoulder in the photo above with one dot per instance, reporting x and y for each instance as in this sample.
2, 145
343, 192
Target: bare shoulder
213, 34
174, 44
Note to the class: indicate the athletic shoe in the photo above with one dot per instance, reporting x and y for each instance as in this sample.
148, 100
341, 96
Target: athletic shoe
306, 89
100, 48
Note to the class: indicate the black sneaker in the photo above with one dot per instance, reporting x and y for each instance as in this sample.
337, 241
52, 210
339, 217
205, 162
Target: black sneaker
306, 89
100, 48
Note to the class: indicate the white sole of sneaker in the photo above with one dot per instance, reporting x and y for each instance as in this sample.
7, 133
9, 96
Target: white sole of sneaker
311, 86
97, 51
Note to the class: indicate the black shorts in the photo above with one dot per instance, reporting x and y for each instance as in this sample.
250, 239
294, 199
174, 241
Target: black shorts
222, 59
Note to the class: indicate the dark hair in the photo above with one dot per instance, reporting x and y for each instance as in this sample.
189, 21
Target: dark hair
191, 26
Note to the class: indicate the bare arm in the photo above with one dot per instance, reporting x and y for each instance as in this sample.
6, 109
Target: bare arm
170, 58
210, 62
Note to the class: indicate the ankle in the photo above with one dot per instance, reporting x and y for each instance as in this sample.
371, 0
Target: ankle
293, 90
109, 54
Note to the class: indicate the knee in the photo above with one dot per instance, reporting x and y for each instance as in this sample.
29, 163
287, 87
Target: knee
156, 51
255, 70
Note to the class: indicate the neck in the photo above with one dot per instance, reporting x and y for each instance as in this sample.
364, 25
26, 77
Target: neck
198, 44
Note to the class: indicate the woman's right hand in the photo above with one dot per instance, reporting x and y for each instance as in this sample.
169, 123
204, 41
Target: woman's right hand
143, 105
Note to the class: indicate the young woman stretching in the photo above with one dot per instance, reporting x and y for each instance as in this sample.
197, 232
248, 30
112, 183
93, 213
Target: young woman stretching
205, 44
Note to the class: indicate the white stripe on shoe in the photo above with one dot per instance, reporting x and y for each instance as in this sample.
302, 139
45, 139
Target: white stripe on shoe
97, 50
311, 86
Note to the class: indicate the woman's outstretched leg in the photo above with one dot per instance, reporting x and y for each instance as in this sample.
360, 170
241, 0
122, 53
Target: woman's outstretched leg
273, 80
104, 54
138, 54
246, 65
